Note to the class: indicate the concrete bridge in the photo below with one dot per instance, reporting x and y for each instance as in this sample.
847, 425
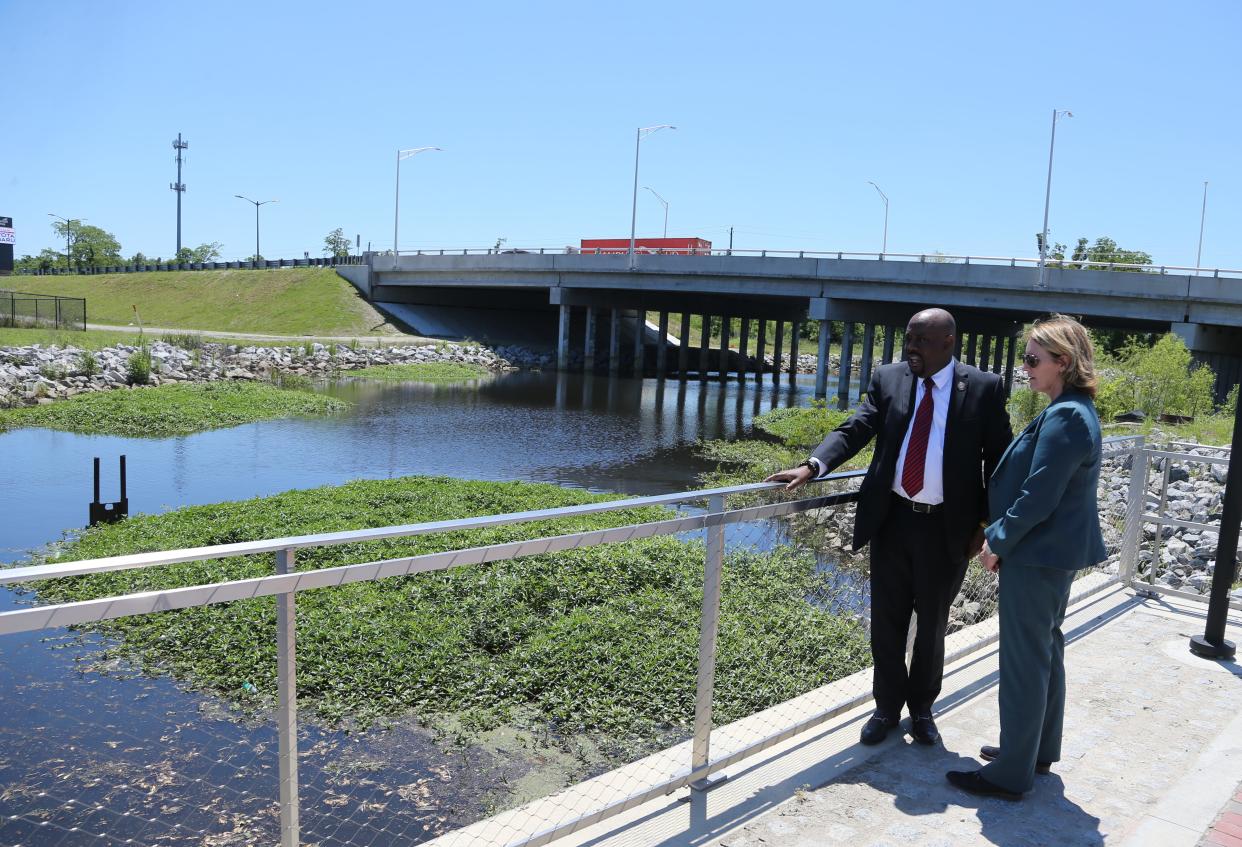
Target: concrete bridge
563, 297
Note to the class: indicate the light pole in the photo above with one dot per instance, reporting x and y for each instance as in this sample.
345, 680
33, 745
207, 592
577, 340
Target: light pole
1043, 241
643, 132
664, 203
884, 197
396, 209
257, 204
68, 233
1202, 217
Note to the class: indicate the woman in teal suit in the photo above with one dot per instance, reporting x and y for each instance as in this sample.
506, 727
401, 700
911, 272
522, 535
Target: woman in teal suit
1045, 526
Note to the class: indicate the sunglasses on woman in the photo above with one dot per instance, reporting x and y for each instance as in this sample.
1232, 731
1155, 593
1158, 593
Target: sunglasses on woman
1031, 360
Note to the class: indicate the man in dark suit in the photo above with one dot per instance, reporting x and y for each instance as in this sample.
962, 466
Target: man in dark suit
939, 427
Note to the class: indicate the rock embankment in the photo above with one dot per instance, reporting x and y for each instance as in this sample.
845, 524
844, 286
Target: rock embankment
38, 374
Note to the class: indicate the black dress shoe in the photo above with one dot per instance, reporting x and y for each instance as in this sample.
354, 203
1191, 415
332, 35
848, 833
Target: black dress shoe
972, 782
876, 729
923, 729
989, 754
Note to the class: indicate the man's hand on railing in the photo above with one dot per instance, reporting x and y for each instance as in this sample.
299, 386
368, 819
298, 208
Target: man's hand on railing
796, 477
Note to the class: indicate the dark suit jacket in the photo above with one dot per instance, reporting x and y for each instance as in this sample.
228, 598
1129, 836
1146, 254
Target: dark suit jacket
976, 434
1043, 493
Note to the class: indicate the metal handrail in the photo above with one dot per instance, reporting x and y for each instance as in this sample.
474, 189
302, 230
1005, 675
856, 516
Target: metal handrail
1012, 261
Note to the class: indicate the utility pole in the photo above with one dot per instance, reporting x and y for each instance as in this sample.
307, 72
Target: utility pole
730, 241
179, 186
1202, 218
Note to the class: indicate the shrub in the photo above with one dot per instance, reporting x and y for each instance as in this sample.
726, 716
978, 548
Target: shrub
184, 340
1115, 396
138, 369
88, 365
1024, 406
1165, 380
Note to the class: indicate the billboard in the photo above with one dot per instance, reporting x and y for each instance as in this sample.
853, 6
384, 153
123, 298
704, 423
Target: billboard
6, 245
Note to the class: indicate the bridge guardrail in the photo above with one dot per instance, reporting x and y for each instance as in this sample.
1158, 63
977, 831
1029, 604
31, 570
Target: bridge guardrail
1010, 261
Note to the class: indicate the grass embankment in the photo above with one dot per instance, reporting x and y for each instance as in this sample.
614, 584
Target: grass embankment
97, 339
289, 301
601, 638
170, 410
422, 372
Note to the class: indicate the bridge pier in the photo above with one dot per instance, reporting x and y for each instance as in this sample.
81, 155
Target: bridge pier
890, 336
588, 344
794, 328
705, 343
847, 366
777, 343
640, 332
761, 348
868, 353
683, 350
743, 341
823, 365
1218, 347
726, 325
662, 347
562, 338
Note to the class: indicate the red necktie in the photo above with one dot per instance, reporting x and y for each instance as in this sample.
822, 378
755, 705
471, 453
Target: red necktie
916, 450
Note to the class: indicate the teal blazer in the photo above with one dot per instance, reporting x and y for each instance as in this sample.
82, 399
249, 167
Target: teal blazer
1042, 496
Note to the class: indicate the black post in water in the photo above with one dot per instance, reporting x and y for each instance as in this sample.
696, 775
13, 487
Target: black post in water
1212, 644
96, 500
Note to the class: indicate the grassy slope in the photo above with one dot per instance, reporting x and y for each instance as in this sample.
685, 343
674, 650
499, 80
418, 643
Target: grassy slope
169, 409
289, 301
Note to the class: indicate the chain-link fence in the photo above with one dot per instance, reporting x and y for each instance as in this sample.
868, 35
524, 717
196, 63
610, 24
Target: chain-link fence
495, 680
41, 311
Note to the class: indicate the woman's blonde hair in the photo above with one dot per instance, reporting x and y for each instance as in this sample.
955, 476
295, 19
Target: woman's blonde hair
1065, 338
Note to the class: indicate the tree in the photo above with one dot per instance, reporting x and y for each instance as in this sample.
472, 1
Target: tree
1097, 256
89, 246
138, 259
336, 243
207, 252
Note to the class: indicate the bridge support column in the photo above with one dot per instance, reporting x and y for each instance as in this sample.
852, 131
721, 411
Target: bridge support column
726, 325
1218, 347
683, 350
777, 343
1009, 357
890, 336
868, 353
705, 343
562, 339
957, 347
971, 346
847, 366
986, 353
662, 347
743, 342
761, 348
824, 364
614, 342
588, 344
794, 328
997, 352
640, 338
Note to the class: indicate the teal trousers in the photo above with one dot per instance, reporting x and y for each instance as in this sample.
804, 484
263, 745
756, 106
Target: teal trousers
1032, 672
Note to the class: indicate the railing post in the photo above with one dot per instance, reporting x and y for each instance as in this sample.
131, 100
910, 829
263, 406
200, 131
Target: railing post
1132, 532
287, 708
708, 627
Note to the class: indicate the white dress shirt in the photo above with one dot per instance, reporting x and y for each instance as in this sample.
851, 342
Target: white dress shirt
933, 467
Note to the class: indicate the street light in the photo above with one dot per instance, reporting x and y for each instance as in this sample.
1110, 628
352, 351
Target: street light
664, 203
68, 232
1043, 241
884, 197
1202, 216
643, 132
257, 204
402, 154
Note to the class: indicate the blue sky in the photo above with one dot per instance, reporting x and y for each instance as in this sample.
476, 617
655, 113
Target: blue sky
784, 112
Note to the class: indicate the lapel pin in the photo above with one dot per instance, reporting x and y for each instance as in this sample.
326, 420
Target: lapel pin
961, 386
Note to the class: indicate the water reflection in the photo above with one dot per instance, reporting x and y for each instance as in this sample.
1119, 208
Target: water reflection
625, 435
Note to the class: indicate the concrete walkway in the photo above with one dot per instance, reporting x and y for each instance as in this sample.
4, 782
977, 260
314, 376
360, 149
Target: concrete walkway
1152, 753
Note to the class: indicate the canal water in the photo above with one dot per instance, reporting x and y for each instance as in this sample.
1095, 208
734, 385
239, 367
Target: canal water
99, 754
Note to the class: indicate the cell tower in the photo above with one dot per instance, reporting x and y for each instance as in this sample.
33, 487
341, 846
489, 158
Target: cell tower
179, 186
